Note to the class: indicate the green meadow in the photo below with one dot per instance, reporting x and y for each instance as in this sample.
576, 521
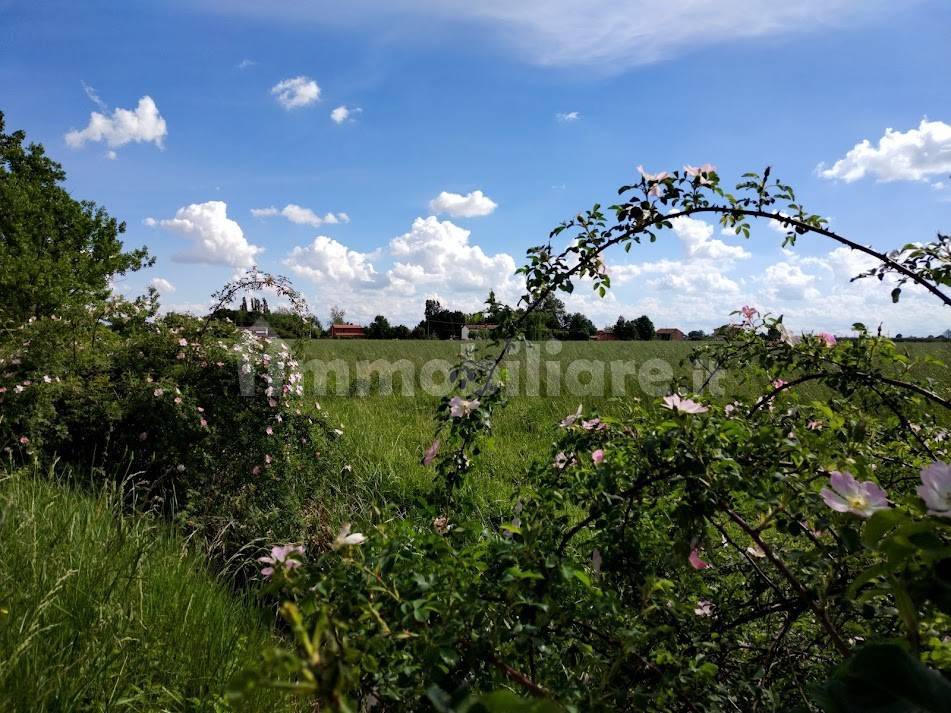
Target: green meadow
388, 426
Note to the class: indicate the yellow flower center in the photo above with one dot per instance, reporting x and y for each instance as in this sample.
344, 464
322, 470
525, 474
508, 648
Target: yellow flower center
857, 501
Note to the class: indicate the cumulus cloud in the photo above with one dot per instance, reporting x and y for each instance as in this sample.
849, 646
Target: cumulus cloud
788, 281
216, 238
471, 205
816, 292
913, 155
142, 124
432, 259
162, 285
301, 216
568, 116
701, 269
343, 113
439, 252
325, 258
296, 92
699, 243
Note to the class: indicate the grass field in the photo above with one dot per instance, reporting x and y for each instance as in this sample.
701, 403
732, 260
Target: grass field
100, 611
387, 433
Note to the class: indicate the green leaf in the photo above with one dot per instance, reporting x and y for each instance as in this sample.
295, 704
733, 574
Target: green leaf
508, 702
884, 678
880, 523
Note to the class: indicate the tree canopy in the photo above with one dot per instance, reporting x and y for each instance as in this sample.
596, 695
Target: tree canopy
54, 249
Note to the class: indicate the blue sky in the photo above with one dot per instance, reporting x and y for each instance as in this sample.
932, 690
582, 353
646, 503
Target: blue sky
543, 107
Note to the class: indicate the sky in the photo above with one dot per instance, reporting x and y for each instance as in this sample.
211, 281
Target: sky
382, 153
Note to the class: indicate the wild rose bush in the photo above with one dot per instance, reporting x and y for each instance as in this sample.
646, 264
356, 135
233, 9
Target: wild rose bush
780, 553
199, 421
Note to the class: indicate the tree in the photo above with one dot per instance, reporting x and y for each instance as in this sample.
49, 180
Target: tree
337, 315
624, 329
643, 328
696, 335
54, 249
379, 328
578, 326
441, 322
553, 313
432, 309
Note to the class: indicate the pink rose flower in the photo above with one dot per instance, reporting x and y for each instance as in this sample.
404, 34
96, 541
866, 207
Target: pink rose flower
695, 560
430, 455
461, 408
675, 402
846, 494
569, 420
286, 556
597, 457
653, 177
703, 608
935, 489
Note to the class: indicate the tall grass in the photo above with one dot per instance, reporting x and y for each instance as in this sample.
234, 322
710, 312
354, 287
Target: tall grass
108, 612
385, 435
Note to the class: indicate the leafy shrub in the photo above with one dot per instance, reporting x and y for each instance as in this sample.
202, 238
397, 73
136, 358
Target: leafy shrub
772, 554
206, 422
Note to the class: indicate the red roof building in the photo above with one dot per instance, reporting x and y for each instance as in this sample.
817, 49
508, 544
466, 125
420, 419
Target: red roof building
669, 334
346, 331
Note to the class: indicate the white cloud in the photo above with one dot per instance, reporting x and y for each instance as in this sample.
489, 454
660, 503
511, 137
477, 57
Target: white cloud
245, 64
433, 259
701, 270
343, 113
471, 205
162, 285
787, 281
93, 96
325, 258
435, 251
296, 92
111, 155
340, 114
144, 123
301, 216
568, 116
609, 34
697, 238
217, 240
913, 155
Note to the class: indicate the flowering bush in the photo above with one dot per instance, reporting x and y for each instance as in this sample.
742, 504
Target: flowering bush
200, 421
783, 553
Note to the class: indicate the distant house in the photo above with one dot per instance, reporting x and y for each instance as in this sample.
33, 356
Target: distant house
605, 335
346, 331
260, 329
476, 331
669, 334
